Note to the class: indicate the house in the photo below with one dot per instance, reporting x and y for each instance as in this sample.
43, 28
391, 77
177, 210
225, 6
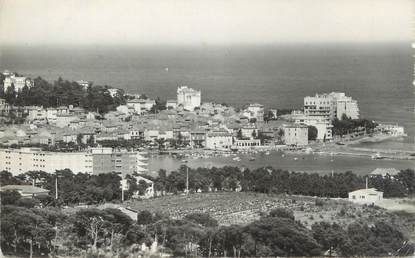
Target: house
249, 131
366, 196
322, 123
296, 134
43, 137
132, 105
125, 109
26, 191
64, 120
384, 172
255, 111
84, 84
113, 92
246, 143
140, 106
198, 138
188, 98
149, 191
219, 140
18, 82
171, 104
84, 137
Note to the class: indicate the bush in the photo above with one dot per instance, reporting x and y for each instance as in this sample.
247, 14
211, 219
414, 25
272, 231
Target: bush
282, 213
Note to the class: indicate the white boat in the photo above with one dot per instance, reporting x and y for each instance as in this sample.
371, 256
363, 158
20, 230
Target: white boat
237, 159
377, 156
267, 153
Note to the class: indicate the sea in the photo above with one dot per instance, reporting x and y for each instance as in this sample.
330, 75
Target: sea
378, 76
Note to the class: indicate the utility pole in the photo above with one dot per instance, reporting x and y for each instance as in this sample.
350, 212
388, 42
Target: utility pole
56, 187
187, 180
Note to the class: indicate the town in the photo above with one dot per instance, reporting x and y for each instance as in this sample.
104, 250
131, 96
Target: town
136, 124
85, 149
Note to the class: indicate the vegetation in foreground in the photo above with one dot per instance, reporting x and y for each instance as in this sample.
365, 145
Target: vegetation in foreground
95, 189
26, 230
36, 226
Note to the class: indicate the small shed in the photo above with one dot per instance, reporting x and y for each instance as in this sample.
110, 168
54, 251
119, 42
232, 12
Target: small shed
366, 196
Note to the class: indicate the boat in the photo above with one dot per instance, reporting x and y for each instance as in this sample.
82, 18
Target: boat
295, 158
251, 159
377, 156
267, 153
237, 159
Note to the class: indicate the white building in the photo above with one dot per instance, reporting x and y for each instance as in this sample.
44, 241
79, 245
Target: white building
94, 160
391, 129
113, 92
188, 98
384, 172
333, 105
366, 196
19, 161
141, 106
296, 134
255, 111
219, 140
84, 84
171, 104
64, 120
18, 82
246, 144
149, 192
249, 131
322, 123
36, 113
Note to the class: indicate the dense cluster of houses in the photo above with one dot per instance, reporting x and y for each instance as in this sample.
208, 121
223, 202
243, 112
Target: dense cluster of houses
186, 121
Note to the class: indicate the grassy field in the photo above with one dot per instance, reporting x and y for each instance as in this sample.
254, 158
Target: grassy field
242, 208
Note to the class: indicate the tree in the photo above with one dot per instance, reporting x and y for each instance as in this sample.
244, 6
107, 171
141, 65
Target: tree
161, 181
202, 219
160, 105
407, 178
7, 178
281, 213
9, 197
89, 226
239, 134
312, 133
24, 230
10, 95
330, 237
143, 96
142, 187
275, 236
379, 239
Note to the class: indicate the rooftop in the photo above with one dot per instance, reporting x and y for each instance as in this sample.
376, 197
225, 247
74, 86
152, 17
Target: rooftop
385, 171
25, 189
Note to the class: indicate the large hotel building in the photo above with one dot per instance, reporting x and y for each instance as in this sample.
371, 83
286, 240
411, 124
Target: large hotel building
320, 110
92, 161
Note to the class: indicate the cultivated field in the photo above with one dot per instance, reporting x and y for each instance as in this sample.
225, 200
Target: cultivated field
242, 208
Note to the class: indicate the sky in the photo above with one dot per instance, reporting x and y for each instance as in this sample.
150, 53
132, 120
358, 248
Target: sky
176, 22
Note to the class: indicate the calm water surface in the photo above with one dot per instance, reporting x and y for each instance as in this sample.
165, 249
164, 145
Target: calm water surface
378, 76
293, 162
